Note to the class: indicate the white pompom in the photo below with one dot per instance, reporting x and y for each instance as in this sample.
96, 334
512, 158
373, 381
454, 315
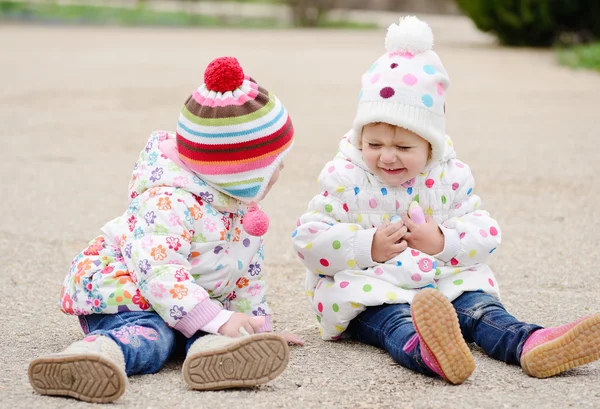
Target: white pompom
410, 34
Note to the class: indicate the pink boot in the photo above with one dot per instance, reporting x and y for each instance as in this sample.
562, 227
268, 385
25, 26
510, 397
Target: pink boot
443, 347
550, 351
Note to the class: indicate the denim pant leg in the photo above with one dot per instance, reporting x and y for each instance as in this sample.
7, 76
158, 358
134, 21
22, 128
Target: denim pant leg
183, 344
390, 326
484, 320
144, 337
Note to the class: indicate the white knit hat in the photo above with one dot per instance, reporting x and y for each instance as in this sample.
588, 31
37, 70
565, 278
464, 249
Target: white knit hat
406, 86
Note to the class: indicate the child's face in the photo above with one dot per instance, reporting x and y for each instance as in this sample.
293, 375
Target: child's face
273, 180
394, 154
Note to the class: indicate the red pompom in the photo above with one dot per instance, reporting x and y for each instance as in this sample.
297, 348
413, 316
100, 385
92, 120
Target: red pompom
223, 74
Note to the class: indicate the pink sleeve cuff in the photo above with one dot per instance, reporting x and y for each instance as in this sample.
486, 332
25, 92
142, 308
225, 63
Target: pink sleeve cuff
221, 318
267, 326
203, 313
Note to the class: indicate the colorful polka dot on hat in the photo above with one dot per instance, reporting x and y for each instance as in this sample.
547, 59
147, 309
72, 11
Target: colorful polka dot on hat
232, 132
406, 86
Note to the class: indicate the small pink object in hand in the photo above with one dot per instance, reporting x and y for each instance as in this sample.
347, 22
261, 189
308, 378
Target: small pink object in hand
415, 212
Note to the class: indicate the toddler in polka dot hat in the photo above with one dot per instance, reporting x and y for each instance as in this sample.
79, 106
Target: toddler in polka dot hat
396, 243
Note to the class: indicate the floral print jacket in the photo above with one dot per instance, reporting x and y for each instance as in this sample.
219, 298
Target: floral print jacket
179, 247
334, 238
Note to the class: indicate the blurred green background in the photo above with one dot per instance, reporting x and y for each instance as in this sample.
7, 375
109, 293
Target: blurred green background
572, 27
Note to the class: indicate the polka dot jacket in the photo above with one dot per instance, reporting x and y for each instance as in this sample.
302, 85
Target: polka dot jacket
179, 247
333, 239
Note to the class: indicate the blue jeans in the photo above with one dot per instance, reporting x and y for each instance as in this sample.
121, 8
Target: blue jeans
144, 337
482, 318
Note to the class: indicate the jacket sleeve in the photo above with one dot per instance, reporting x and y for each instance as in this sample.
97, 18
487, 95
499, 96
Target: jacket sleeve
327, 242
251, 290
159, 247
470, 233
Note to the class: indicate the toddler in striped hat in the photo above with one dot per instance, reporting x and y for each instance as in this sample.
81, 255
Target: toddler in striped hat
184, 262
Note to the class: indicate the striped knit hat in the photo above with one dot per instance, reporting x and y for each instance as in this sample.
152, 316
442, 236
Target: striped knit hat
233, 132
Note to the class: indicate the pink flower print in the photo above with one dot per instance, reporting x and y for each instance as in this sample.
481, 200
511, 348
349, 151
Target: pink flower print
131, 222
199, 295
254, 290
179, 291
174, 243
89, 286
181, 275
147, 242
95, 247
180, 181
130, 335
96, 301
140, 301
226, 221
174, 220
209, 225
158, 290
107, 270
67, 304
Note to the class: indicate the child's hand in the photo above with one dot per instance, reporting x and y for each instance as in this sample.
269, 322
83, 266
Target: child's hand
239, 320
387, 242
426, 237
291, 338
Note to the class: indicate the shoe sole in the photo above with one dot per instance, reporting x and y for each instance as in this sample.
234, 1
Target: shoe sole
87, 377
436, 322
251, 361
578, 346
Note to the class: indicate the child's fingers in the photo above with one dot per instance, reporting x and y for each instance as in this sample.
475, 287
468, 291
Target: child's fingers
398, 234
389, 229
249, 329
408, 222
257, 323
399, 247
291, 338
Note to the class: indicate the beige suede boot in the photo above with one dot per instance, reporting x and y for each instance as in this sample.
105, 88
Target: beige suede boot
91, 370
219, 362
